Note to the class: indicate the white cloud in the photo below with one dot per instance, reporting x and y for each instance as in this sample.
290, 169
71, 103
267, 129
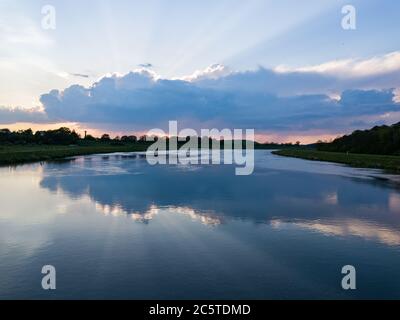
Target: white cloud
352, 68
214, 71
311, 98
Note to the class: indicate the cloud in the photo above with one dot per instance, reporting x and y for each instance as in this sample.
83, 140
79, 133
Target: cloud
377, 72
214, 71
351, 68
354, 98
145, 65
13, 115
141, 100
80, 75
295, 100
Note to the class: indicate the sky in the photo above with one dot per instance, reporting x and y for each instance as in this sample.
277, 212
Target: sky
286, 68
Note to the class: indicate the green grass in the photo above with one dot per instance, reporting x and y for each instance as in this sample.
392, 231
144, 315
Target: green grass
31, 153
388, 163
17, 154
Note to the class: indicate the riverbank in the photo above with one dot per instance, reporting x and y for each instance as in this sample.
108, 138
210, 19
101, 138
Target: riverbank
10, 155
19, 154
388, 163
28, 153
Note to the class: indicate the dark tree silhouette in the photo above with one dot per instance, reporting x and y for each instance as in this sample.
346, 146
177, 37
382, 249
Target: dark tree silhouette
378, 140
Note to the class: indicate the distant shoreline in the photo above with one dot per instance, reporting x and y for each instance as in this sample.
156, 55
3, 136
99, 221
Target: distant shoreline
14, 155
391, 164
22, 154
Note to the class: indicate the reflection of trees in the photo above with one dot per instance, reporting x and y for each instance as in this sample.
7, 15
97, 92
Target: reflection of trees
135, 188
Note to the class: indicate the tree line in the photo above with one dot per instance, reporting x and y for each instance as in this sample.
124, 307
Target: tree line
61, 136
378, 140
66, 136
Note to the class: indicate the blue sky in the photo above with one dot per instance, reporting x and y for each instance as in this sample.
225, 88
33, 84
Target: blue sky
284, 48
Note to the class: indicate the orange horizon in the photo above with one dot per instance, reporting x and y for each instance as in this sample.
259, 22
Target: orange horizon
270, 137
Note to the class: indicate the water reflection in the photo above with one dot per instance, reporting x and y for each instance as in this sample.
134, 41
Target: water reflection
347, 227
212, 194
116, 227
153, 211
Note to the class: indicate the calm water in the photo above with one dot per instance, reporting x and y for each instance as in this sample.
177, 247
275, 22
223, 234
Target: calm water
115, 227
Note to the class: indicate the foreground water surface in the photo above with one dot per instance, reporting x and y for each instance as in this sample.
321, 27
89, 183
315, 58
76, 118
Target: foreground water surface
115, 227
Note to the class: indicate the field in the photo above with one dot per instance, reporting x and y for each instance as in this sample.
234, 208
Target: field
388, 163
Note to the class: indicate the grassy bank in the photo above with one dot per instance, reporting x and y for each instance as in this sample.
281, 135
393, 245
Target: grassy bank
389, 163
31, 153
17, 154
